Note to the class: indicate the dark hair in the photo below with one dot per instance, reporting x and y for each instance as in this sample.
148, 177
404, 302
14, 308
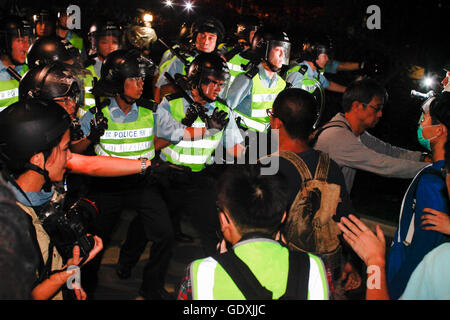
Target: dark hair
363, 91
18, 254
296, 108
440, 109
255, 202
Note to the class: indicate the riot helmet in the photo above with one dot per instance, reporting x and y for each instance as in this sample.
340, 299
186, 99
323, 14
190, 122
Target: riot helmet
44, 23
272, 46
139, 32
103, 28
29, 127
118, 66
51, 81
210, 25
204, 67
245, 27
312, 48
15, 28
52, 48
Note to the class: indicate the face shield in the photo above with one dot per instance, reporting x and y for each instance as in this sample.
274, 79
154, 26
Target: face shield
278, 53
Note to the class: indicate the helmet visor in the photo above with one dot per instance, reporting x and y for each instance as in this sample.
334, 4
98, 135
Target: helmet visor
278, 52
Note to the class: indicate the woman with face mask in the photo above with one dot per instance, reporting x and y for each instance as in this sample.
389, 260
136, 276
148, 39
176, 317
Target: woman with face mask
428, 190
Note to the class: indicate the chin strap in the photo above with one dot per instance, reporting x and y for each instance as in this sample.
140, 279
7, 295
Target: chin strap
124, 98
48, 183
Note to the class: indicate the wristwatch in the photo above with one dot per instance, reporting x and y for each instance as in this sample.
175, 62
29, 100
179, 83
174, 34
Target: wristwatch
143, 165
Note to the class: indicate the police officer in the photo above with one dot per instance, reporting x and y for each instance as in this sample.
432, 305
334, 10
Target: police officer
253, 92
63, 31
15, 39
105, 37
57, 81
51, 48
44, 23
193, 191
308, 74
207, 34
132, 126
239, 55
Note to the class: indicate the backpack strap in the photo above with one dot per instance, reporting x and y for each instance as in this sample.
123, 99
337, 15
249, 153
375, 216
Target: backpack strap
243, 277
298, 277
298, 162
331, 124
322, 167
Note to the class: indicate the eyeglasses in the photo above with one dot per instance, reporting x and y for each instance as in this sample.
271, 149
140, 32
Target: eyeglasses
66, 99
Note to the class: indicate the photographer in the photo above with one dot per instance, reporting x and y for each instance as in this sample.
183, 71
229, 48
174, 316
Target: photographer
34, 150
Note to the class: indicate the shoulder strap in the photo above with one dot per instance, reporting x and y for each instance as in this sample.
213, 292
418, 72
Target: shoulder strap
322, 167
298, 162
147, 104
330, 124
252, 72
298, 277
410, 233
243, 277
303, 69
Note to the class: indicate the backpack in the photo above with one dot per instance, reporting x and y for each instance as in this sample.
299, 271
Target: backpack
309, 226
405, 230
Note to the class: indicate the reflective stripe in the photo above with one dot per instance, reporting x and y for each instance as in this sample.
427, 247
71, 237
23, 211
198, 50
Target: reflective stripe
89, 102
260, 113
126, 134
198, 144
252, 124
264, 97
127, 147
318, 283
9, 93
234, 67
2, 108
101, 152
184, 158
205, 279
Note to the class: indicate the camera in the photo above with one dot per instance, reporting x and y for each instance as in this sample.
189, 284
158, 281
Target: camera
68, 228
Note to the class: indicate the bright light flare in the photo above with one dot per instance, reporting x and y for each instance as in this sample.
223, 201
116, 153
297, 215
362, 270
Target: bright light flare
148, 17
188, 6
169, 3
428, 81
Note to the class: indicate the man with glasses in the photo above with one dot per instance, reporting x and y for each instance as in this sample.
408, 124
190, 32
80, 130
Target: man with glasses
346, 140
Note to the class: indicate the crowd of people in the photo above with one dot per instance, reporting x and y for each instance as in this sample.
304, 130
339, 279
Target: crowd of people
93, 124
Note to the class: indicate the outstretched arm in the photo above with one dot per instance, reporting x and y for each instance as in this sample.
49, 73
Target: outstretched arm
100, 166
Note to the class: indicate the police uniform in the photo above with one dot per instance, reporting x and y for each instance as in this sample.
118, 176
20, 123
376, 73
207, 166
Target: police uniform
173, 66
250, 98
301, 75
131, 136
9, 86
194, 193
89, 98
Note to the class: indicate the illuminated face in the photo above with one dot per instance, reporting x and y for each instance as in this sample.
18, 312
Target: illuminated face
277, 56
213, 88
133, 88
43, 28
322, 60
57, 161
206, 42
106, 45
372, 112
19, 49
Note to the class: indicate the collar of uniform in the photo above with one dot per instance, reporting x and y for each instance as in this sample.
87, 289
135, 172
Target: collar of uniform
18, 68
265, 77
119, 116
